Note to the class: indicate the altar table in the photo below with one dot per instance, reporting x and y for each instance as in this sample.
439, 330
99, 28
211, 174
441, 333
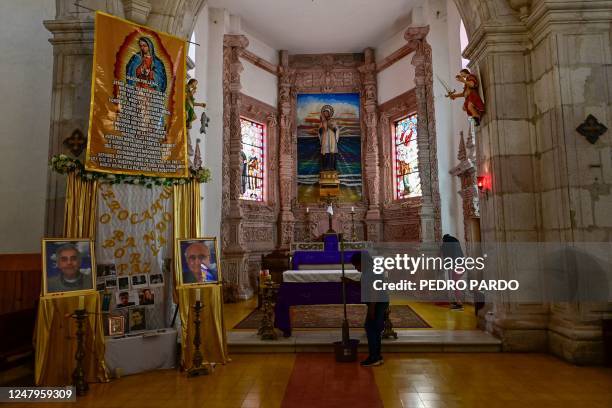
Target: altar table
312, 287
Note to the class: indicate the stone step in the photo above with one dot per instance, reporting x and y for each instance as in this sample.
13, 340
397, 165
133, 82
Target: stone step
309, 341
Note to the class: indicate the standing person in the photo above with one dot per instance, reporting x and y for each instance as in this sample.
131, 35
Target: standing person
377, 303
451, 248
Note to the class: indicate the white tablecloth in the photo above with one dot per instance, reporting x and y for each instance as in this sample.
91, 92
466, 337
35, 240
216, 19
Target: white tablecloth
310, 276
140, 353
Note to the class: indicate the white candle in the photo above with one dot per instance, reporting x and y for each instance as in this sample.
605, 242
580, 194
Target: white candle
81, 302
307, 209
352, 209
198, 295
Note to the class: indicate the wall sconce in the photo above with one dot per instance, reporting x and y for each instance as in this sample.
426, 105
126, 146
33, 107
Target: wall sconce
480, 183
484, 184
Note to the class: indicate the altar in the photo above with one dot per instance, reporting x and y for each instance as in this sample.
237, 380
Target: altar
313, 287
316, 277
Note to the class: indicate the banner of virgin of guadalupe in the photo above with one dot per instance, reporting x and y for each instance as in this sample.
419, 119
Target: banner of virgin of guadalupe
137, 112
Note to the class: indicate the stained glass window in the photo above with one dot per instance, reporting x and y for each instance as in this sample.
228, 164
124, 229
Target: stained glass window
252, 155
407, 180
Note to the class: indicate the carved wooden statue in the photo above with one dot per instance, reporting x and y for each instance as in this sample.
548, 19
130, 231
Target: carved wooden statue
473, 104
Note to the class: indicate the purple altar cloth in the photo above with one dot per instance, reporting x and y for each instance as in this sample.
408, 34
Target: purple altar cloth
315, 293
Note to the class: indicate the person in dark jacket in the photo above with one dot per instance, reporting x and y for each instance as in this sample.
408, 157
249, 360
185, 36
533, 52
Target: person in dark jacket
451, 248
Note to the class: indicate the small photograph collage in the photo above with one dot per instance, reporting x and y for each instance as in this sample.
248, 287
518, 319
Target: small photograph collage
128, 296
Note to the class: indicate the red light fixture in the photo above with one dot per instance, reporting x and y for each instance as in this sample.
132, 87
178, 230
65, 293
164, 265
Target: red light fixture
480, 183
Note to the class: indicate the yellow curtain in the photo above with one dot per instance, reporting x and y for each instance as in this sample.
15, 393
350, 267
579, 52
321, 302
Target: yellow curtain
56, 341
81, 204
55, 335
212, 330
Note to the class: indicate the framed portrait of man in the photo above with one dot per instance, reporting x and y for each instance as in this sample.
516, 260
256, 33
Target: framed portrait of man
68, 266
198, 261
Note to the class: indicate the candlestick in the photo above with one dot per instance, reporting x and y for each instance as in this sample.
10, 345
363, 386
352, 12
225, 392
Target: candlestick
199, 366
78, 375
81, 302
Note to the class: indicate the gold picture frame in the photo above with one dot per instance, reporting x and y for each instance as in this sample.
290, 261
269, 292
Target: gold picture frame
206, 251
116, 325
58, 275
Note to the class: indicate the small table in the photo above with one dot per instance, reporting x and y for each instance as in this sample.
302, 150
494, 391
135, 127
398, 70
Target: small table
143, 352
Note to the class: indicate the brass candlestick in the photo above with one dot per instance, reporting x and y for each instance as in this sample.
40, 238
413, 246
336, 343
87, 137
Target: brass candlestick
353, 235
266, 327
78, 375
200, 367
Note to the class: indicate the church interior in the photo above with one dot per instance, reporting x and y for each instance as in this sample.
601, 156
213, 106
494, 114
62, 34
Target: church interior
234, 203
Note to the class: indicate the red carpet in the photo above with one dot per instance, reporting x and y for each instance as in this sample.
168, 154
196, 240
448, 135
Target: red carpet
318, 381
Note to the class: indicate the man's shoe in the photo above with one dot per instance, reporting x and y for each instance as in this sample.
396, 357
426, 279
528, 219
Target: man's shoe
371, 362
456, 306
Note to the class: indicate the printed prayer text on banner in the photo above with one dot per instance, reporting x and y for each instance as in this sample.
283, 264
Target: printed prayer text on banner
137, 113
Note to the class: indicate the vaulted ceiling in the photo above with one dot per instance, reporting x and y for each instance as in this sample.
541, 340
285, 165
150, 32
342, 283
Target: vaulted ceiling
318, 26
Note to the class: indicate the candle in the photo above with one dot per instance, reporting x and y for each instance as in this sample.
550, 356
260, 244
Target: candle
197, 295
307, 209
81, 302
352, 209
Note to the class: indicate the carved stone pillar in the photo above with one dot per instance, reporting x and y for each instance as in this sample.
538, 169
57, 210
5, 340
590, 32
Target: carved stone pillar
428, 162
72, 54
234, 257
286, 164
372, 168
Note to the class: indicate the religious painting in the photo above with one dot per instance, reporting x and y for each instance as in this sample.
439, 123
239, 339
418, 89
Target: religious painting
137, 110
252, 160
328, 137
406, 154
198, 261
116, 325
68, 266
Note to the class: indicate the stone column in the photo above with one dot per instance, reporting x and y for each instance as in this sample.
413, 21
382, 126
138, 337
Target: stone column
505, 159
371, 157
285, 157
72, 62
426, 127
235, 257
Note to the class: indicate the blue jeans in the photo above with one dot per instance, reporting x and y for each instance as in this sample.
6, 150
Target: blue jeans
374, 328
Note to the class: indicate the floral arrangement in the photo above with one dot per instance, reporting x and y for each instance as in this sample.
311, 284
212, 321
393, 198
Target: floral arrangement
64, 164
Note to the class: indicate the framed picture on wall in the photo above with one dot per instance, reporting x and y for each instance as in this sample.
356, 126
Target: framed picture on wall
68, 266
198, 261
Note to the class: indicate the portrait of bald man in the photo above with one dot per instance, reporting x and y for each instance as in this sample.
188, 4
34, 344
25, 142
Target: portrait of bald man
199, 262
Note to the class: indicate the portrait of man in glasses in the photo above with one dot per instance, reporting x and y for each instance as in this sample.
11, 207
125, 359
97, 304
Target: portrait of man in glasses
200, 262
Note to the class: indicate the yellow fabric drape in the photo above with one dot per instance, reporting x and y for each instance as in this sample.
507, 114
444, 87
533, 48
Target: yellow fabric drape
56, 341
55, 334
81, 205
212, 330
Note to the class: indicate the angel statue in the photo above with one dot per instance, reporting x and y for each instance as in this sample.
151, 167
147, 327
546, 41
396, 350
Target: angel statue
190, 103
473, 104
329, 133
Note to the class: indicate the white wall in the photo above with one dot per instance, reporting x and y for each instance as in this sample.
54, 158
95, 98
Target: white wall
435, 13
26, 69
256, 82
399, 77
211, 26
